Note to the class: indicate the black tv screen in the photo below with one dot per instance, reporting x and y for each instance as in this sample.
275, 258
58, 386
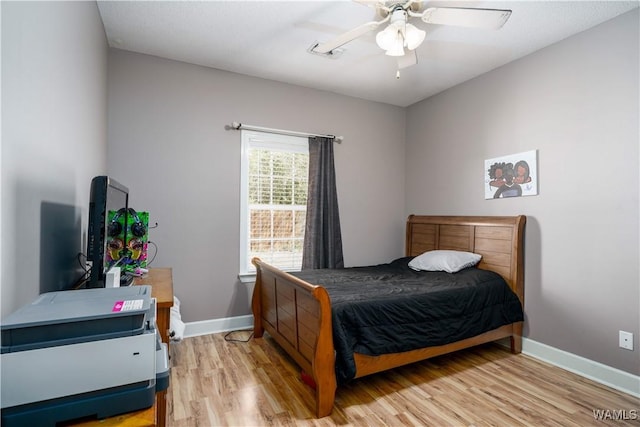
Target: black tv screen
106, 238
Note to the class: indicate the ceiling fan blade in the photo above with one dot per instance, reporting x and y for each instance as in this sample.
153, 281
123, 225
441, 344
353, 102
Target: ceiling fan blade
492, 19
382, 10
369, 3
409, 58
345, 38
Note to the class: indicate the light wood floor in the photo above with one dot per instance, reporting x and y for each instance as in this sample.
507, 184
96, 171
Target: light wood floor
216, 383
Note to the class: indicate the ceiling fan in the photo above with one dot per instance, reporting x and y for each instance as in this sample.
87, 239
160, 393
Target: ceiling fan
401, 38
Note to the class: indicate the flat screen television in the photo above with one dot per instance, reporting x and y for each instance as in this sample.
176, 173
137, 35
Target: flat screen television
108, 204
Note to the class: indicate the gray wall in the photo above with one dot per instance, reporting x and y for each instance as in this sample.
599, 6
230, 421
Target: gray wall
576, 102
54, 122
168, 144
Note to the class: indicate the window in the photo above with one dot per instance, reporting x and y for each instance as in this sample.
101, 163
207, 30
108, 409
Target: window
275, 172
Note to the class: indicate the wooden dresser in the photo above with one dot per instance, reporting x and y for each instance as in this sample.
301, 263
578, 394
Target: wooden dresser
161, 282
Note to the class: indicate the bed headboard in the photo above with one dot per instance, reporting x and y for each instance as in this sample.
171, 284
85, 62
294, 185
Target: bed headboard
499, 239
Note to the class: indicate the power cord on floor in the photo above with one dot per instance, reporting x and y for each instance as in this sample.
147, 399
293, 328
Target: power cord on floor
229, 338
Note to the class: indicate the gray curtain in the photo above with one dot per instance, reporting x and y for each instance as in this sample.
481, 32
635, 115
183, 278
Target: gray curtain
322, 237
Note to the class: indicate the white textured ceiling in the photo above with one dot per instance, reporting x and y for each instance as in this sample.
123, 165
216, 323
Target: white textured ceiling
269, 39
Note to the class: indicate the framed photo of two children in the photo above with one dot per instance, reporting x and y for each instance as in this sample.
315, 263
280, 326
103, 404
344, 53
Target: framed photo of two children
513, 175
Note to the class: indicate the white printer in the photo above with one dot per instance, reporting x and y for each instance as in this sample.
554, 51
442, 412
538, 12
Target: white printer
82, 353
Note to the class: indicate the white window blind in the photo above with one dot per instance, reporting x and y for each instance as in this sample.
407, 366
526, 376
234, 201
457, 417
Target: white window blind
275, 171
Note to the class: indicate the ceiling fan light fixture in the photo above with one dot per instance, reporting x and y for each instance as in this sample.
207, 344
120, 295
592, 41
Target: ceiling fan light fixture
387, 38
399, 34
391, 41
413, 36
397, 49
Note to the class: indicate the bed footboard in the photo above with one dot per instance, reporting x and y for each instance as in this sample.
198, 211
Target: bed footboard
298, 317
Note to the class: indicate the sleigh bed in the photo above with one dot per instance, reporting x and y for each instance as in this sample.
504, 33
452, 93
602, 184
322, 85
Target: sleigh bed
300, 317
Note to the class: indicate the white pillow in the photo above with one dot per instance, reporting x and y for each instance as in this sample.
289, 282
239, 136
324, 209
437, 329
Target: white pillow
449, 261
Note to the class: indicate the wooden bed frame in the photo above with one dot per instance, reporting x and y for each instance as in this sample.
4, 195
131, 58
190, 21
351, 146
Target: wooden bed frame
297, 314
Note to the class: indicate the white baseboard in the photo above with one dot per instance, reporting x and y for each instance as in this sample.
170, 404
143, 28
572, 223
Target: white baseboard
214, 326
598, 372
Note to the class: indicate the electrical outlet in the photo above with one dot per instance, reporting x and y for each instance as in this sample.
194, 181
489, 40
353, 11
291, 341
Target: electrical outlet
626, 340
